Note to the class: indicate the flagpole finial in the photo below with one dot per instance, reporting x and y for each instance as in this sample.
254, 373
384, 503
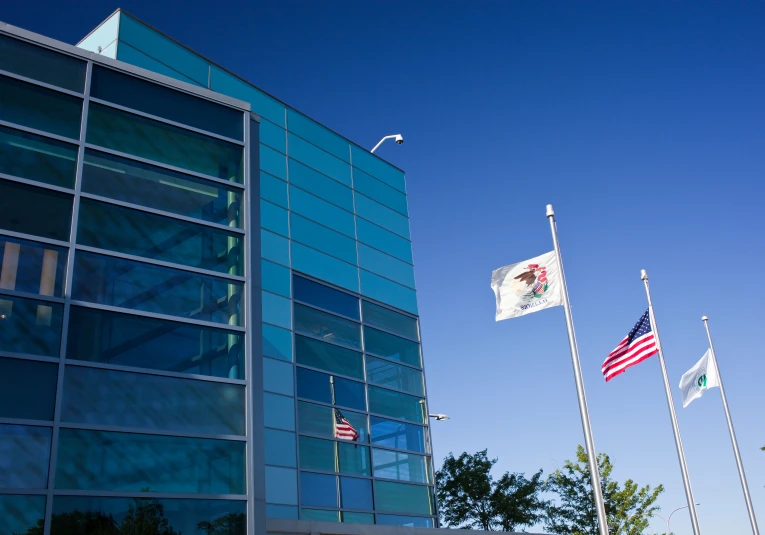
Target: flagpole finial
550, 211
643, 275
704, 318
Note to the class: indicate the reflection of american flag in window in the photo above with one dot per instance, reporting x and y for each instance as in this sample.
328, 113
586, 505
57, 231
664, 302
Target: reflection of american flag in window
342, 428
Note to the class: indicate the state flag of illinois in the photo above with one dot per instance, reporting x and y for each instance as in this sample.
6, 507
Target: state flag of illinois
527, 286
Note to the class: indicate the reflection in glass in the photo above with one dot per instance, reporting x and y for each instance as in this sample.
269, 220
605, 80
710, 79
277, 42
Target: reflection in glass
390, 321
37, 158
397, 435
40, 108
319, 490
128, 284
402, 466
21, 514
22, 207
318, 420
328, 357
328, 389
321, 515
317, 454
43, 64
30, 326
392, 375
356, 493
98, 460
353, 459
396, 404
24, 456
327, 327
325, 297
357, 518
31, 267
402, 498
27, 389
401, 520
391, 347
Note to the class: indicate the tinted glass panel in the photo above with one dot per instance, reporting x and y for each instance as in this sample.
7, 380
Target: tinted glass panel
325, 297
274, 190
391, 347
378, 168
37, 158
400, 520
382, 215
321, 515
21, 206
387, 291
106, 516
402, 466
318, 135
164, 102
279, 411
317, 420
403, 498
275, 278
277, 343
385, 241
357, 518
127, 231
277, 377
317, 454
162, 189
320, 185
30, 326
396, 404
274, 218
21, 514
388, 320
126, 340
24, 456
41, 64
322, 238
280, 447
276, 310
318, 490
273, 162
275, 248
281, 485
383, 372
327, 327
319, 160
228, 84
27, 389
379, 191
31, 267
127, 462
356, 493
318, 387
128, 284
328, 357
325, 267
133, 134
322, 212
397, 434
40, 108
272, 135
386, 266
353, 459
281, 511
138, 400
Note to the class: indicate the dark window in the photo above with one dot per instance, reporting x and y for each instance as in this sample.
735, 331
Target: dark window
35, 211
327, 327
328, 357
25, 456
30, 326
356, 493
40, 108
32, 61
27, 266
319, 490
316, 386
325, 297
27, 389
37, 158
391, 321
396, 434
21, 513
391, 347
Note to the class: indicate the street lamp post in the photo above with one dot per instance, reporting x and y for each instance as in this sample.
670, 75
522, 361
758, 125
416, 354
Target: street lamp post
669, 518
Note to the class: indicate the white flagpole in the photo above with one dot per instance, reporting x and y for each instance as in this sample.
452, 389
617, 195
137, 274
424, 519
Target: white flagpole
672, 414
736, 452
592, 456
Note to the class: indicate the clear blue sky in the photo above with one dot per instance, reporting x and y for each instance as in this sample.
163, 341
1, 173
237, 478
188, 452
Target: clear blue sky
642, 122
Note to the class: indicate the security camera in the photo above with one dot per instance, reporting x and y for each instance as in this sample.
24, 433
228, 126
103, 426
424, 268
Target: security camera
399, 139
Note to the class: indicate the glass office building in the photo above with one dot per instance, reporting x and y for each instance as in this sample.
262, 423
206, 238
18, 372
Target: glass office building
201, 291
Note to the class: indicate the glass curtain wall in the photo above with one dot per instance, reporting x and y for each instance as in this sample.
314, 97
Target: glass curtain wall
123, 356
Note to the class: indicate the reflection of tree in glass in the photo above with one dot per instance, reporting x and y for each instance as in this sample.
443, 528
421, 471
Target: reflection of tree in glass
230, 524
78, 523
146, 517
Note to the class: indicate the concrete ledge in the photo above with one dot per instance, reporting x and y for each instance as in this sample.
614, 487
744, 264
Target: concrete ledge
312, 527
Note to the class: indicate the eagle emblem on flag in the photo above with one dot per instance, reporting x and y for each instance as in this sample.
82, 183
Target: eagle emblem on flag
532, 283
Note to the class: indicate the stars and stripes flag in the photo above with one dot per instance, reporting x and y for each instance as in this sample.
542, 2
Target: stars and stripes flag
342, 428
637, 346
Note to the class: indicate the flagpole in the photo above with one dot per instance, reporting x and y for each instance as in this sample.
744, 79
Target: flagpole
739, 464
592, 456
672, 414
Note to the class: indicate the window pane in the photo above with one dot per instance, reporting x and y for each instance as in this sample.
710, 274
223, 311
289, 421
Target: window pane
322, 212
322, 238
280, 447
328, 357
385, 265
319, 160
21, 206
317, 454
162, 189
400, 520
379, 191
396, 404
321, 515
90, 460
24, 456
391, 321
40, 108
353, 459
37, 158
396, 434
133, 134
325, 267
281, 511
277, 343
43, 64
391, 347
272, 135
127, 340
403, 498
317, 386
274, 218
21, 514
102, 516
171, 104
402, 466
276, 310
381, 215
138, 400
319, 490
273, 162
317, 420
127, 231
274, 247
378, 168
317, 134
388, 292
274, 190
275, 278
279, 411
27, 389
327, 327
325, 297
281, 485
386, 373
356, 493
385, 241
30, 326
124, 283
357, 518
277, 377
32, 267
320, 185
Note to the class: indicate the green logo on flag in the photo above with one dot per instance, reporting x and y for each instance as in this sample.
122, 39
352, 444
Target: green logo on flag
702, 382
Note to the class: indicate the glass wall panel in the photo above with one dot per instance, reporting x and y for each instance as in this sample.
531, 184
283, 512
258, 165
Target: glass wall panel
274, 190
322, 238
402, 466
280, 448
128, 231
322, 212
27, 266
391, 347
357, 518
262, 104
353, 459
401, 520
115, 398
27, 389
330, 269
30, 326
396, 404
37, 158
326, 327
317, 454
43, 64
386, 266
133, 134
281, 511
318, 420
397, 434
24, 456
21, 207
277, 310
321, 515
275, 248
105, 516
319, 490
403, 498
388, 320
21, 514
127, 340
378, 168
281, 485
277, 343
328, 357
40, 108
272, 135
273, 162
318, 159
131, 55
388, 292
161, 189
322, 387
317, 134
124, 283
279, 411
274, 218
382, 215
325, 297
275, 278
383, 240
320, 185
356, 493
379, 191
90, 460
277, 377
386, 373
155, 99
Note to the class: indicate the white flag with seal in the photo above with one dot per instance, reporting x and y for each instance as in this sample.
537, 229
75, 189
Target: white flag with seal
528, 286
699, 378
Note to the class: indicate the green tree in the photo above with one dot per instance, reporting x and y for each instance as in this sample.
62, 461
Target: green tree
469, 497
146, 516
231, 523
628, 509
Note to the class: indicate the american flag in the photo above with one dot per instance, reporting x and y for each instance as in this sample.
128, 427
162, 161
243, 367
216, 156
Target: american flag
637, 346
342, 428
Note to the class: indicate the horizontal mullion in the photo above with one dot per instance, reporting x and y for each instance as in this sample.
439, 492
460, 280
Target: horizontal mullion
150, 495
30, 295
333, 374
42, 84
167, 121
36, 184
377, 415
369, 444
402, 481
32, 492
388, 359
32, 237
325, 472
377, 385
26, 421
42, 133
25, 356
148, 431
315, 307
151, 371
333, 343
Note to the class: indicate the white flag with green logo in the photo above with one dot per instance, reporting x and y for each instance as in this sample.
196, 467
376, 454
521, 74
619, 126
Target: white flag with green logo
696, 380
528, 286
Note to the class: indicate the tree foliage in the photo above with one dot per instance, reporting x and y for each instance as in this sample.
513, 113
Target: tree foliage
469, 497
628, 509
